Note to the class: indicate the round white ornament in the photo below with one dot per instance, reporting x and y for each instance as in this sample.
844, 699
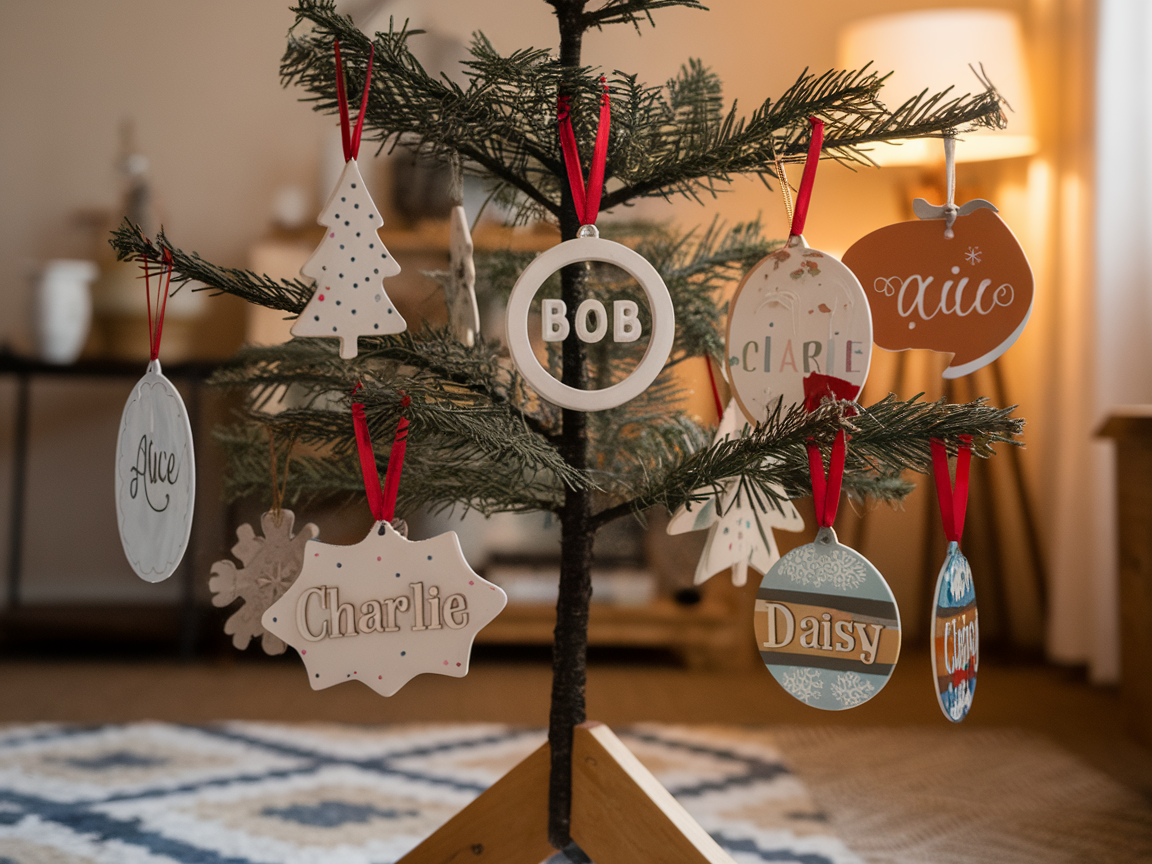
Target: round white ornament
827, 625
798, 325
590, 247
155, 477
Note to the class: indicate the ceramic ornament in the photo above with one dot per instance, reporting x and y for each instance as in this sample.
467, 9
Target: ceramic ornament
460, 284
155, 477
799, 329
384, 610
954, 281
956, 636
827, 625
269, 566
739, 529
349, 267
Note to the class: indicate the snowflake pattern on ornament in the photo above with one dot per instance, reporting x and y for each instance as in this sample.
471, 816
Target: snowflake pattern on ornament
960, 587
803, 683
973, 254
850, 689
807, 566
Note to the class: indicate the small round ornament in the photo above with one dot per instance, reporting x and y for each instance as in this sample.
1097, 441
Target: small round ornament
956, 636
589, 246
827, 625
799, 328
155, 477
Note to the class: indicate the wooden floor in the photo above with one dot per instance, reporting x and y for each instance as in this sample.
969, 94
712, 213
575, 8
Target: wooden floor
505, 688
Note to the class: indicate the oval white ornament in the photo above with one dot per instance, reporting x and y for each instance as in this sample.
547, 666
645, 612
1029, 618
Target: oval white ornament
827, 625
590, 247
155, 477
955, 636
799, 323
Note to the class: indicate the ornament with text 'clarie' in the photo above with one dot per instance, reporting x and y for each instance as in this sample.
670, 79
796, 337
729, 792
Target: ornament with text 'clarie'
384, 610
739, 527
799, 326
155, 486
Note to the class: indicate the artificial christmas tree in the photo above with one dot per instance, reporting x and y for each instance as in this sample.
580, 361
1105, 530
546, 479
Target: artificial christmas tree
480, 438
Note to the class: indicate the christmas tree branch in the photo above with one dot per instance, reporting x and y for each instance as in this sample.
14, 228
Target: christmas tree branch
887, 438
288, 295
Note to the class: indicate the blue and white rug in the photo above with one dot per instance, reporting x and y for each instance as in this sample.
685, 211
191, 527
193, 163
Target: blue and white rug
258, 793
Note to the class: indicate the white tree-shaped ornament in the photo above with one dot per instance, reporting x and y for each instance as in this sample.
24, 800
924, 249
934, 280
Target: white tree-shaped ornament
349, 267
740, 529
351, 261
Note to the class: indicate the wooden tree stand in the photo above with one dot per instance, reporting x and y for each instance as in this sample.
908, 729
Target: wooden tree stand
620, 814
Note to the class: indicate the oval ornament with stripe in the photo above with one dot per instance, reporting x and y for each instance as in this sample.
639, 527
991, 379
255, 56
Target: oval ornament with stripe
827, 625
956, 636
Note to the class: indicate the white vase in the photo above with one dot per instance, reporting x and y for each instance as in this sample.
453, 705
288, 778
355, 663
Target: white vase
62, 309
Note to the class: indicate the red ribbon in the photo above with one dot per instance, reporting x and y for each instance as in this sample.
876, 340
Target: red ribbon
826, 490
382, 502
715, 390
953, 501
587, 203
349, 138
155, 330
804, 196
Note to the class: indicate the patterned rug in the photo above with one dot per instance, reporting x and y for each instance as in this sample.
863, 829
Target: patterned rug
257, 793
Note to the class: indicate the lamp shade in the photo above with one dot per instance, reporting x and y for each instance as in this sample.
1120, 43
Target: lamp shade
932, 50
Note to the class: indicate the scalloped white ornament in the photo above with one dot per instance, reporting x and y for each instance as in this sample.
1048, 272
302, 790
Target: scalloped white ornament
349, 267
384, 610
155, 477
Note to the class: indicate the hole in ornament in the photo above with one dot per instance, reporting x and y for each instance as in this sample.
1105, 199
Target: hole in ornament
613, 323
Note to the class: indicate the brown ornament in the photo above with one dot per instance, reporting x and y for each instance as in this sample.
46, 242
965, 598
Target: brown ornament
969, 294
270, 565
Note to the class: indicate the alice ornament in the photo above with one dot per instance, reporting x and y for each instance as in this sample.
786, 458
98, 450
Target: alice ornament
956, 623
826, 623
590, 322
155, 462
799, 326
956, 280
351, 262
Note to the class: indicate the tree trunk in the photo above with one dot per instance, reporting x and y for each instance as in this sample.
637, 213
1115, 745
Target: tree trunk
570, 643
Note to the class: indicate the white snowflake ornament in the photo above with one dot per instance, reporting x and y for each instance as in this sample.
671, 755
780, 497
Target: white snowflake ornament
740, 530
270, 564
349, 267
384, 610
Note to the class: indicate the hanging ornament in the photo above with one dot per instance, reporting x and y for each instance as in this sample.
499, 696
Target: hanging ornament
799, 327
385, 609
460, 282
559, 322
826, 622
351, 262
965, 290
956, 630
155, 462
269, 565
740, 526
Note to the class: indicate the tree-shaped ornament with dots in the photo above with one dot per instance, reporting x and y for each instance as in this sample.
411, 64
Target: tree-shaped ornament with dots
351, 262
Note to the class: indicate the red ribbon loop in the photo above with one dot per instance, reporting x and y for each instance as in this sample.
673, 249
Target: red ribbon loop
953, 501
587, 202
348, 137
804, 196
164, 280
382, 502
826, 490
